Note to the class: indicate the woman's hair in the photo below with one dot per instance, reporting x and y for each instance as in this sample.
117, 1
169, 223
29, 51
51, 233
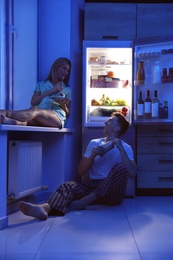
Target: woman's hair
54, 68
124, 123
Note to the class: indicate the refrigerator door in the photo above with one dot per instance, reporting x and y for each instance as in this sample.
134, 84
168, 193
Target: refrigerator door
107, 80
156, 54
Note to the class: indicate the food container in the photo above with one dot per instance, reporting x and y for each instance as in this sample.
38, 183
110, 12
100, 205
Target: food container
112, 82
98, 81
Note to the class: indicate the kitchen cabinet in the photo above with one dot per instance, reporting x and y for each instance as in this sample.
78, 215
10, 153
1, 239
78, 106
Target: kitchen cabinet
110, 20
154, 19
155, 160
126, 21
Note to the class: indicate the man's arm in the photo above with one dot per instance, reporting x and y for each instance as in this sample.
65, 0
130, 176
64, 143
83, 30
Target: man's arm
86, 162
130, 165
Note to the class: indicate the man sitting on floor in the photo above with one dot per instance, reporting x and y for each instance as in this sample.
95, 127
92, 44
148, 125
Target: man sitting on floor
108, 161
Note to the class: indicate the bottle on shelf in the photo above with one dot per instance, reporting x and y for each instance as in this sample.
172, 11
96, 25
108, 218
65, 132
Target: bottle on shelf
155, 105
170, 76
147, 72
164, 76
165, 107
140, 106
140, 76
157, 73
147, 106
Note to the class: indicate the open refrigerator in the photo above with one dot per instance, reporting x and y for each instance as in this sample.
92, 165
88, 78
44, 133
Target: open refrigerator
107, 80
107, 87
110, 84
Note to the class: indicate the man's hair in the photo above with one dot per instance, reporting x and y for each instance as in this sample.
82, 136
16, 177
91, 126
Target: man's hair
124, 123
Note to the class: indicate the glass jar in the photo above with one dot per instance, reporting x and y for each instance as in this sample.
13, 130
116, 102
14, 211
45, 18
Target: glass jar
157, 73
103, 60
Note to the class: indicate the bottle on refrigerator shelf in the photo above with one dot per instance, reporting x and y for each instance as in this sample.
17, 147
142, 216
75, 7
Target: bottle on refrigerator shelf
170, 76
140, 106
155, 105
157, 73
147, 72
164, 76
140, 76
147, 106
165, 105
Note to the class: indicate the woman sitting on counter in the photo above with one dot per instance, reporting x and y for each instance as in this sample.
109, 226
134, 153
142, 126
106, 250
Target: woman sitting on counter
50, 103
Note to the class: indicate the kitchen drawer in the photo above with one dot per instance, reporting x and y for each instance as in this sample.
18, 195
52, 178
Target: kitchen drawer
160, 130
155, 162
155, 179
157, 145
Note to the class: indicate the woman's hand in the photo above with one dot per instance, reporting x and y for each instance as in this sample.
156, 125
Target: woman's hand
57, 88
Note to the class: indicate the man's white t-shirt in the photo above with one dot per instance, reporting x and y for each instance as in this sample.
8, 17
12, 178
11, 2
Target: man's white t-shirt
103, 164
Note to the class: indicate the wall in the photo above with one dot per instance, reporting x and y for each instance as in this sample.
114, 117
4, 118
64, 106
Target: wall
61, 34
2, 54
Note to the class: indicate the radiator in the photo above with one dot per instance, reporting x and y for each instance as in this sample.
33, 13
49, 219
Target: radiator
24, 168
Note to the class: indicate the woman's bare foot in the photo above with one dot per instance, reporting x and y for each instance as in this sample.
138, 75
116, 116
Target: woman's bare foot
8, 121
37, 211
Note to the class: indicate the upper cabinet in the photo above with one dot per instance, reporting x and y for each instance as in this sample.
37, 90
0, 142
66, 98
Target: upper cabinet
126, 21
154, 20
110, 20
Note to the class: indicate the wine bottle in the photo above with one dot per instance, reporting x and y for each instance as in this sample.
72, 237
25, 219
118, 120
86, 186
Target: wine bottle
155, 105
147, 106
140, 106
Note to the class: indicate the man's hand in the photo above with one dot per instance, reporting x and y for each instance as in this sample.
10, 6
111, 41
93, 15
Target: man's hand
98, 150
118, 143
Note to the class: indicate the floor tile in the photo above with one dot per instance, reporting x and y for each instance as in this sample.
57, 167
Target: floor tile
154, 240
96, 230
141, 228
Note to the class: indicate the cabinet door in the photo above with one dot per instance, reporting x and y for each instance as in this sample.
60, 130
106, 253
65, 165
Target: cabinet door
154, 20
114, 20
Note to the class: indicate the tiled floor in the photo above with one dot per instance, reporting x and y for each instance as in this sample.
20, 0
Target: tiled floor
140, 228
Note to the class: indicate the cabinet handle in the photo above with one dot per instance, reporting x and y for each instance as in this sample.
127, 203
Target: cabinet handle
109, 37
166, 130
165, 143
165, 161
165, 178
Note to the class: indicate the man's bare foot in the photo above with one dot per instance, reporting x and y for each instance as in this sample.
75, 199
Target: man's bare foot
37, 211
9, 121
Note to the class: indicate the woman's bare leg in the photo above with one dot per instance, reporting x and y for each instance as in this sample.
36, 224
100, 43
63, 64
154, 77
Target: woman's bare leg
33, 210
34, 116
9, 121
